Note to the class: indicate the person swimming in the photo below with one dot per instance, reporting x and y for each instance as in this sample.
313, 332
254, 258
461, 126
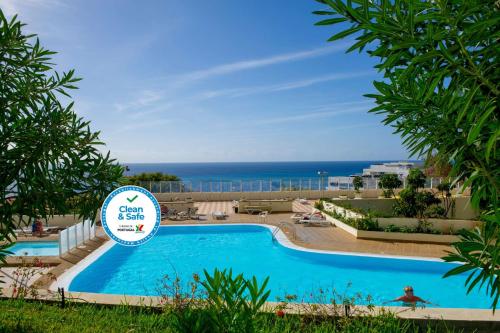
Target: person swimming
409, 298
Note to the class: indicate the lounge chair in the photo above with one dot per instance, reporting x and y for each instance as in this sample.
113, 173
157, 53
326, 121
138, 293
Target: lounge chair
219, 215
193, 214
172, 214
298, 216
315, 219
184, 215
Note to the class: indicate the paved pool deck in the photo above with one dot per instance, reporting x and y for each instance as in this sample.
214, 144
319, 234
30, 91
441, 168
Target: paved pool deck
320, 238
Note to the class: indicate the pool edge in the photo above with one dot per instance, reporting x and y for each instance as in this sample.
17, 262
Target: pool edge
65, 279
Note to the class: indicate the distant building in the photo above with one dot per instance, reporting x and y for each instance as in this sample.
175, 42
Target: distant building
399, 168
371, 174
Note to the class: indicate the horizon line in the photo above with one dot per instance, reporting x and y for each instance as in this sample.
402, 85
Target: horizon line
311, 161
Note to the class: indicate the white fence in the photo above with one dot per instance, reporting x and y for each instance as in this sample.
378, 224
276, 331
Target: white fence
267, 185
346, 183
75, 235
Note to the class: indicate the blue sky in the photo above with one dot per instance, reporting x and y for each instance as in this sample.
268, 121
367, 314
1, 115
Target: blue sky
200, 81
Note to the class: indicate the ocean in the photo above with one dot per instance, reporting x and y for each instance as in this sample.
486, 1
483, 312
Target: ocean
235, 171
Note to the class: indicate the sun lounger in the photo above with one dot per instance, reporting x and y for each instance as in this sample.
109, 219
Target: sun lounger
298, 216
184, 215
316, 221
218, 215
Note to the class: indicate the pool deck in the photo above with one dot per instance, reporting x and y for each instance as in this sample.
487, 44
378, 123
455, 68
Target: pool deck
316, 238
320, 238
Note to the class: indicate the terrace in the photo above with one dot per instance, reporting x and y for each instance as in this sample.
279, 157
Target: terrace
319, 238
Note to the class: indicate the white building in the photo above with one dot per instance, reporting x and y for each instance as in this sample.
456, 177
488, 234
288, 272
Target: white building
370, 175
399, 168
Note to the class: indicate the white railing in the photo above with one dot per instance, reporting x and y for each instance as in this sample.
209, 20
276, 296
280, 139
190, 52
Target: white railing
75, 235
267, 185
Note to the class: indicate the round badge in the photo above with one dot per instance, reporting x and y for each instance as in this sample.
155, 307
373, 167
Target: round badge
130, 215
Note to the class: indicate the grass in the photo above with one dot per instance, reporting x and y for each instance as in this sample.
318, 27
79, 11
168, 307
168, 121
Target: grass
21, 316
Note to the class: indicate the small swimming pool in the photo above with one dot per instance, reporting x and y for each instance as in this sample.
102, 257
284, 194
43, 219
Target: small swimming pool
249, 249
34, 249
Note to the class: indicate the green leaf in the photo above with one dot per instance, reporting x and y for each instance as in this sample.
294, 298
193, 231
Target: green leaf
331, 21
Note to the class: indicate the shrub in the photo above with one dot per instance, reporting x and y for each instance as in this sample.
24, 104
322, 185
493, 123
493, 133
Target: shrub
227, 302
367, 223
357, 182
416, 204
390, 182
392, 228
387, 193
405, 205
232, 301
435, 211
446, 197
318, 204
416, 179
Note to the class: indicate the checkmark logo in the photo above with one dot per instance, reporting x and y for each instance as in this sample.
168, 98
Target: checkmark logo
132, 199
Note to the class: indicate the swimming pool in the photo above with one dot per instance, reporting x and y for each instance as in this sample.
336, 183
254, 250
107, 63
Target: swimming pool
35, 249
249, 249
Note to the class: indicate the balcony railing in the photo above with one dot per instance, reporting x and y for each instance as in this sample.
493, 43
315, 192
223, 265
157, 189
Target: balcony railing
263, 185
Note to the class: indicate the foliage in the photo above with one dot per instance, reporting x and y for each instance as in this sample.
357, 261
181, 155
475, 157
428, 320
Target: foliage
435, 211
388, 194
48, 154
479, 248
444, 189
390, 182
415, 204
22, 317
406, 204
22, 285
223, 302
232, 301
357, 182
439, 91
368, 223
148, 176
319, 204
415, 179
369, 211
424, 201
437, 167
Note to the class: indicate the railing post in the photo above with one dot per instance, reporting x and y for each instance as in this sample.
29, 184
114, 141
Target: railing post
67, 239
281, 184
60, 243
160, 186
76, 235
90, 227
431, 182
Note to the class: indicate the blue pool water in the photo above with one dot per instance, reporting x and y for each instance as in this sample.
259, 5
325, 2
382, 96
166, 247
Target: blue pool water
35, 249
250, 250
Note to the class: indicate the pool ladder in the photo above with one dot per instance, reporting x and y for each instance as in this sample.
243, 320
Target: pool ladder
285, 225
